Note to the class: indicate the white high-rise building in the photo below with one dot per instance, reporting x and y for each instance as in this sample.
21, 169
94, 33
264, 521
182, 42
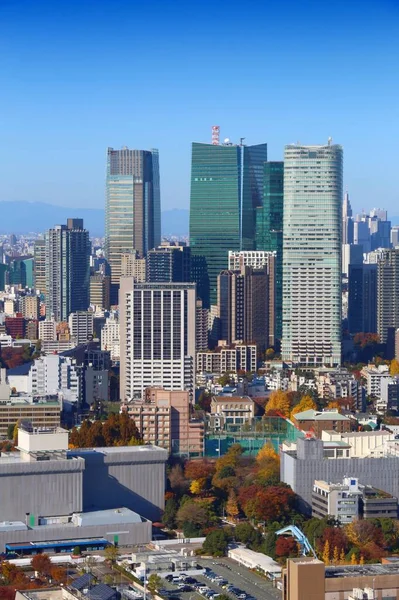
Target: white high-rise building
110, 339
81, 326
157, 336
312, 255
249, 258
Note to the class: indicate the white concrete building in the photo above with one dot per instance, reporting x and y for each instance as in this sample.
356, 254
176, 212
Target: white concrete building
48, 330
110, 339
81, 326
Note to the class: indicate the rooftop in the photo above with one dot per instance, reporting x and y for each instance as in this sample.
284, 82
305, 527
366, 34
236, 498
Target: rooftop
362, 570
316, 415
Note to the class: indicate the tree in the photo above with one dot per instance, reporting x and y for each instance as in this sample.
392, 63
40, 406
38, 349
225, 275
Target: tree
272, 503
306, 403
268, 462
342, 559
10, 431
269, 545
42, 564
58, 574
361, 532
286, 546
326, 553
76, 551
154, 582
111, 553
245, 533
232, 508
353, 559
169, 515
199, 469
215, 543
197, 486
194, 513
269, 354
178, 482
394, 368
279, 401
335, 559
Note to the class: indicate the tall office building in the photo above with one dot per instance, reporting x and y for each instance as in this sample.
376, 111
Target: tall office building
388, 293
347, 221
269, 229
157, 336
312, 255
39, 266
67, 269
169, 262
133, 208
246, 305
362, 298
226, 188
134, 266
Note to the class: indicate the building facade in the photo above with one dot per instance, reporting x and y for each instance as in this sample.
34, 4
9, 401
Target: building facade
226, 188
157, 337
81, 326
39, 266
388, 293
312, 255
170, 262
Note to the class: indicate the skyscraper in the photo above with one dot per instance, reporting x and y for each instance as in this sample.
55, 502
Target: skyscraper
388, 293
67, 269
133, 209
169, 262
312, 255
39, 266
347, 221
157, 336
362, 298
269, 229
226, 188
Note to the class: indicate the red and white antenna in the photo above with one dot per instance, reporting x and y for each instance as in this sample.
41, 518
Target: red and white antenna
215, 135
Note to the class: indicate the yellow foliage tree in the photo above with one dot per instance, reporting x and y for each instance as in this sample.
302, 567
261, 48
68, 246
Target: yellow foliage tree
335, 558
326, 553
279, 401
232, 505
361, 560
353, 559
268, 462
394, 368
334, 405
342, 559
305, 403
197, 486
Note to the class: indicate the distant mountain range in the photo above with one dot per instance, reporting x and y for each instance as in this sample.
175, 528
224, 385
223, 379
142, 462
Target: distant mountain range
36, 217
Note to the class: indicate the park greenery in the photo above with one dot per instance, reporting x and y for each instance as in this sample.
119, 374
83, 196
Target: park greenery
116, 430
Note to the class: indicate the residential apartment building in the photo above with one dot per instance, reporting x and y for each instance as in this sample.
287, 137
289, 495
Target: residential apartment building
239, 357
312, 255
48, 330
202, 327
157, 336
81, 326
110, 338
100, 291
29, 307
134, 266
388, 293
39, 266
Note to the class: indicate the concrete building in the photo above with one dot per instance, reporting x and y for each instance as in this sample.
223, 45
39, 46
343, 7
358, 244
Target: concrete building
231, 410
170, 262
389, 396
388, 293
134, 266
312, 255
347, 221
202, 325
157, 336
55, 373
29, 307
81, 326
224, 359
39, 266
374, 376
352, 254
41, 411
319, 421
49, 493
163, 419
338, 500
362, 298
100, 291
110, 338
48, 330
307, 578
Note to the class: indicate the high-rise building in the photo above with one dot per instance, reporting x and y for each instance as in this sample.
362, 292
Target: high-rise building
347, 221
133, 210
395, 236
81, 326
169, 262
226, 188
269, 229
39, 266
110, 338
362, 298
30, 307
312, 255
157, 336
134, 266
388, 293
202, 326
67, 269
246, 305
100, 291
352, 254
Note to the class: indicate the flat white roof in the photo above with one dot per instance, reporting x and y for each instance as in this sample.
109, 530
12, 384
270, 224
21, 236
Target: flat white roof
262, 561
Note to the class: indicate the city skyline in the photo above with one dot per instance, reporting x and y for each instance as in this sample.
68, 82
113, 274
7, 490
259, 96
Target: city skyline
60, 80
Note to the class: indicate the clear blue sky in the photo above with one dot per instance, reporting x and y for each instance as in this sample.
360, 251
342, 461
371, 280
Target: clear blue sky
78, 76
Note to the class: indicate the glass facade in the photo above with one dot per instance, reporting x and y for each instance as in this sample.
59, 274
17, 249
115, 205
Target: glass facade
312, 255
225, 190
269, 230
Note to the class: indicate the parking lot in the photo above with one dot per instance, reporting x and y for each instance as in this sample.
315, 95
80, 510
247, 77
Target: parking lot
223, 576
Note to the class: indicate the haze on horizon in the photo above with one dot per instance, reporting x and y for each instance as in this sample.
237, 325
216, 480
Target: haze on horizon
79, 77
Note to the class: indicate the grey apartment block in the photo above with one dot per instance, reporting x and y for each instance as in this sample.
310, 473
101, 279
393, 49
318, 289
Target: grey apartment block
134, 478
50, 487
300, 468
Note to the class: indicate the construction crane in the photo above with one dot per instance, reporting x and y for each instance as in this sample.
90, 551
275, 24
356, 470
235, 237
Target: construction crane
304, 544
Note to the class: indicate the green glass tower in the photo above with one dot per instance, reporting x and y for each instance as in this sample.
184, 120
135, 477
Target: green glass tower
226, 189
269, 229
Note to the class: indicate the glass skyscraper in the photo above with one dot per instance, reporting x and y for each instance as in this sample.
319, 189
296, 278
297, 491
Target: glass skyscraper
312, 255
133, 208
226, 188
269, 229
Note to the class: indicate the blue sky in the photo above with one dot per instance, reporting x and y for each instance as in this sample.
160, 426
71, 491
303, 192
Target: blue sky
78, 76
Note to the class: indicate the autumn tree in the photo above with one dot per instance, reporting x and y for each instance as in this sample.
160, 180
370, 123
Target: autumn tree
394, 368
154, 582
111, 553
42, 564
362, 532
193, 513
232, 508
177, 480
272, 503
335, 558
305, 403
268, 463
279, 402
286, 547
326, 553
58, 574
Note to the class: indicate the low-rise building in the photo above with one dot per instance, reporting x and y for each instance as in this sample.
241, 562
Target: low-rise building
318, 421
374, 376
256, 561
231, 411
389, 395
42, 410
228, 359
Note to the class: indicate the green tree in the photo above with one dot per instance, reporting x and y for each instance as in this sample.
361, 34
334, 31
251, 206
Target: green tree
215, 543
111, 553
76, 551
154, 582
169, 515
10, 431
269, 545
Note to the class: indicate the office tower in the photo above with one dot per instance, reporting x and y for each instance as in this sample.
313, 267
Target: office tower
202, 325
226, 188
269, 228
157, 336
380, 233
351, 255
361, 233
39, 266
380, 213
246, 305
133, 211
169, 262
81, 326
67, 269
362, 298
134, 266
347, 221
312, 255
395, 236
100, 291
388, 293
20, 272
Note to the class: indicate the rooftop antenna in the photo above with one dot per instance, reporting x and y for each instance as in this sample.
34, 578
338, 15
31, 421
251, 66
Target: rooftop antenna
329, 141
215, 135
242, 141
